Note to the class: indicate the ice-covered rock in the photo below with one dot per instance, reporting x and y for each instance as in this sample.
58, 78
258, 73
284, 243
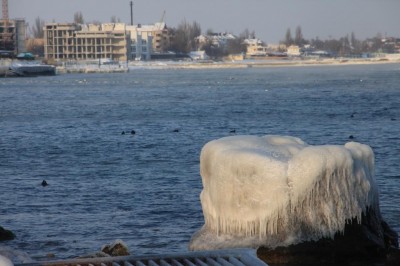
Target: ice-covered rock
16, 256
278, 190
4, 261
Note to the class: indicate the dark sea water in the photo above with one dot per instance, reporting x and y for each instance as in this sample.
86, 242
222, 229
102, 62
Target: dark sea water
144, 188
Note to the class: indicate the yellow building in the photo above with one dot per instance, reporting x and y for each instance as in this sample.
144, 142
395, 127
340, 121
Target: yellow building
105, 41
255, 47
114, 41
66, 41
59, 40
293, 50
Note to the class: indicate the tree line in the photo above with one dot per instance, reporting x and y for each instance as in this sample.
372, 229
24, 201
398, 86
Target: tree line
347, 45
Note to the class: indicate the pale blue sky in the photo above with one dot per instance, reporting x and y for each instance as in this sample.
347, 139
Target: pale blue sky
268, 18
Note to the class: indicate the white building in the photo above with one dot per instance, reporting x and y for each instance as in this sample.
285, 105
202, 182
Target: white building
255, 47
294, 50
141, 43
216, 39
148, 39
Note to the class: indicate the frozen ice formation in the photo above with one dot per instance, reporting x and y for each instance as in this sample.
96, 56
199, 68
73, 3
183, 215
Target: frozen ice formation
4, 261
278, 190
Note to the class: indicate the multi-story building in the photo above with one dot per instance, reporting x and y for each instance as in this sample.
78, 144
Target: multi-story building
86, 42
158, 34
141, 42
59, 40
105, 41
12, 36
115, 41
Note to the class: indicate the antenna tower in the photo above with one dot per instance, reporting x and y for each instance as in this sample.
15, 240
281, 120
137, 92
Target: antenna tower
131, 4
5, 9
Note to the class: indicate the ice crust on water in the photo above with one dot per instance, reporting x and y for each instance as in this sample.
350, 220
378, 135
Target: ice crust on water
278, 190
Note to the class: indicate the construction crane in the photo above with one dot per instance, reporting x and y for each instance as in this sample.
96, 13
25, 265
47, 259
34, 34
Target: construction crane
5, 10
162, 17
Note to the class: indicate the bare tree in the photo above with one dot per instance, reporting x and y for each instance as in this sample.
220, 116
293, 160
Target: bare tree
209, 32
78, 18
37, 28
184, 36
288, 37
213, 51
299, 39
236, 46
114, 19
247, 34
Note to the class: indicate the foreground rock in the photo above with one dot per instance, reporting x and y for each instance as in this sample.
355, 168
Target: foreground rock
298, 202
372, 241
6, 234
117, 248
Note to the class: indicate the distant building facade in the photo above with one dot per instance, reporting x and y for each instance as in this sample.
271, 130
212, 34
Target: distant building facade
294, 50
67, 41
215, 39
114, 41
105, 41
255, 47
12, 36
59, 40
141, 42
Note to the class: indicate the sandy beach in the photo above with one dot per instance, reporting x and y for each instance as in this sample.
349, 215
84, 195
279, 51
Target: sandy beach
249, 63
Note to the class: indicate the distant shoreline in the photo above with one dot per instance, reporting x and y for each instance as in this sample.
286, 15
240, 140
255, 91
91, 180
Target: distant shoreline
81, 67
257, 63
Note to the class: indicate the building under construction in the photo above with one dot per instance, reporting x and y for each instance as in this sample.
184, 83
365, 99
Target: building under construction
12, 34
114, 41
66, 41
